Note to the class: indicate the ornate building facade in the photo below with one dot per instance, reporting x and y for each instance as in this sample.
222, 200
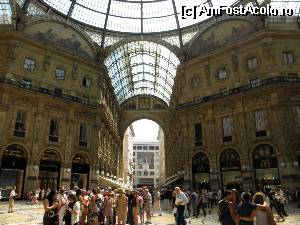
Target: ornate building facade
235, 108
224, 90
58, 116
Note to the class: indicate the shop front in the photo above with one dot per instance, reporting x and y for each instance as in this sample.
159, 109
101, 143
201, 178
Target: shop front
200, 171
265, 164
230, 167
80, 171
12, 170
49, 170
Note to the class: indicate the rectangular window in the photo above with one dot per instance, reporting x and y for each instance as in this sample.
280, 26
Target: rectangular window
288, 57
20, 124
82, 135
151, 173
198, 134
139, 147
227, 129
53, 132
222, 74
25, 83
145, 147
252, 63
60, 74
29, 64
86, 82
138, 173
260, 123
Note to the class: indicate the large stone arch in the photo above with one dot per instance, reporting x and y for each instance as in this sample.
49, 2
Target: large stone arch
132, 111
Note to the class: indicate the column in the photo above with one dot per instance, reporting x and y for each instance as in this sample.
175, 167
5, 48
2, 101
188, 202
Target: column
66, 163
33, 162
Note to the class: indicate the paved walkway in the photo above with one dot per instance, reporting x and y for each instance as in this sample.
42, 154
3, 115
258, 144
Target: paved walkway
32, 215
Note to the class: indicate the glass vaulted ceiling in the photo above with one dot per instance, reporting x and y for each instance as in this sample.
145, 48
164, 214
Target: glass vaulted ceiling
133, 16
142, 68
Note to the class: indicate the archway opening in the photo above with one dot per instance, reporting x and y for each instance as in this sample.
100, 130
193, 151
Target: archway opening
80, 171
230, 166
201, 171
265, 164
13, 166
143, 155
49, 170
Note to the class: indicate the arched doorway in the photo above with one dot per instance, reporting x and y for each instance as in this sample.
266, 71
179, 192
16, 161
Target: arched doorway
80, 171
49, 170
13, 166
265, 166
200, 170
230, 166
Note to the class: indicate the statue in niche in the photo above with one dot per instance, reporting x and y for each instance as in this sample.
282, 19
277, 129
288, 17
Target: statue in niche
46, 61
268, 53
207, 73
75, 70
11, 52
235, 62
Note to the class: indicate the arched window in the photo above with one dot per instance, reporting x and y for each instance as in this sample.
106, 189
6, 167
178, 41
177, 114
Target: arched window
264, 156
14, 157
200, 163
15, 151
230, 160
50, 155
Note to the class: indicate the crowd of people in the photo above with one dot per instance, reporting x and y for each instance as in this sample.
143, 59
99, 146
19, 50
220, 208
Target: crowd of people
101, 206
106, 206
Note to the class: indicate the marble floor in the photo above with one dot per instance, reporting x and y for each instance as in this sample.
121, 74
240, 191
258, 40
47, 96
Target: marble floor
32, 215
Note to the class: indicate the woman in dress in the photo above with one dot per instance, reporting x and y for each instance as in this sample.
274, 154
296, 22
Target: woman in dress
140, 202
108, 213
121, 207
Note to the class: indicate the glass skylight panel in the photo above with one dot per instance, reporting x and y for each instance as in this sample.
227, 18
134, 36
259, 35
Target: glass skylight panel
141, 68
159, 24
20, 2
96, 37
158, 9
124, 24
125, 9
291, 4
62, 5
99, 5
35, 10
5, 12
88, 16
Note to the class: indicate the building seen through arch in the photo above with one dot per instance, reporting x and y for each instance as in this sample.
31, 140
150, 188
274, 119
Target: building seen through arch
75, 75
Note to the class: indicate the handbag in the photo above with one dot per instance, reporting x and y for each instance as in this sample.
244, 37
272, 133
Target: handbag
48, 217
270, 218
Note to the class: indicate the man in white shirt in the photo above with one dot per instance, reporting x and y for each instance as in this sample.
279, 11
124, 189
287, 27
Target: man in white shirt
63, 201
180, 203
